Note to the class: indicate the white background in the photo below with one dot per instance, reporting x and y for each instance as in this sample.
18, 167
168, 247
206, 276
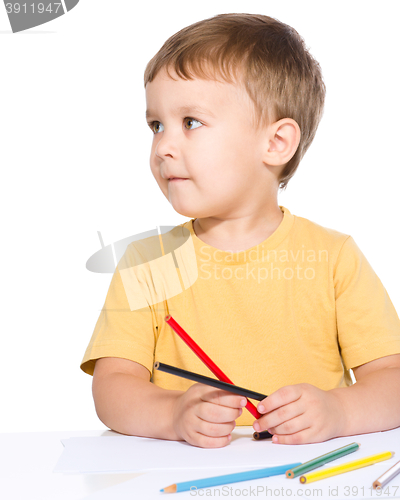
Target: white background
74, 156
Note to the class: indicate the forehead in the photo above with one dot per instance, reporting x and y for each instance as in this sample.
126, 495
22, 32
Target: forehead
198, 95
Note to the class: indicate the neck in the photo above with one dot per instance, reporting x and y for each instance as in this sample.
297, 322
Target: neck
240, 232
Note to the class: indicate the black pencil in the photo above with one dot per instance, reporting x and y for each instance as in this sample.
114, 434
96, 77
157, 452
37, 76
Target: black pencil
209, 381
262, 435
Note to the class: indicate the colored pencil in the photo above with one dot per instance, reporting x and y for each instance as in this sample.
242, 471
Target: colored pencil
261, 435
206, 359
322, 460
241, 391
349, 466
383, 480
227, 479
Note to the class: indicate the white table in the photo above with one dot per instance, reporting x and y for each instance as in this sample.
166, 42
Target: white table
27, 461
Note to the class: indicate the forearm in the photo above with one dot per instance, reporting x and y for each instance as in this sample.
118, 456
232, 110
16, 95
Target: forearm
371, 404
133, 406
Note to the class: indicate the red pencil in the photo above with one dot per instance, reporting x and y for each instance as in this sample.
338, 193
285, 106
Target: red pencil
206, 360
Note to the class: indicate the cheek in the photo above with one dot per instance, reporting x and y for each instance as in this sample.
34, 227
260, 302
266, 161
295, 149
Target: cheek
154, 164
211, 152
220, 157
155, 170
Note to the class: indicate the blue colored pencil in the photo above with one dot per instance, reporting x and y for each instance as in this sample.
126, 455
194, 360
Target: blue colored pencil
228, 478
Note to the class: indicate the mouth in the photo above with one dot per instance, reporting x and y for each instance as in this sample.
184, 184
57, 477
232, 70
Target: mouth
172, 179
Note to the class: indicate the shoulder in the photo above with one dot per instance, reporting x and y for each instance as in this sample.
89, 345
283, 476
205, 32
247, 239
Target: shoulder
154, 244
313, 228
314, 234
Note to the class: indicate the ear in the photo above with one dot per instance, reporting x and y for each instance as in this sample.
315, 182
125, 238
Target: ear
282, 141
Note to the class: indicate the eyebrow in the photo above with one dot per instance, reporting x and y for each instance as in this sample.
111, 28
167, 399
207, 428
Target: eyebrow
189, 109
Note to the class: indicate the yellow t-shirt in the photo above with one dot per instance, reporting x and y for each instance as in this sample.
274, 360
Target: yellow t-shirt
304, 306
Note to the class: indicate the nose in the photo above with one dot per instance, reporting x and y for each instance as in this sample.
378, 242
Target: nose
167, 146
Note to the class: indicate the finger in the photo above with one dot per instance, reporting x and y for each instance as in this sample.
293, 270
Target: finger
292, 426
305, 436
279, 416
224, 398
281, 397
218, 414
204, 441
214, 430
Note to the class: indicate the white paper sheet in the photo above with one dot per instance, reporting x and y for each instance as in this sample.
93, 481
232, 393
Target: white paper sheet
134, 454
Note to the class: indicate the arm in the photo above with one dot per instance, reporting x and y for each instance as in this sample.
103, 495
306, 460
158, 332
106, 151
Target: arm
127, 402
375, 394
302, 413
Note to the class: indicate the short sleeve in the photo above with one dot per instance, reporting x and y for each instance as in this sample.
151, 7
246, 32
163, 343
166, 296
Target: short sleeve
367, 323
120, 331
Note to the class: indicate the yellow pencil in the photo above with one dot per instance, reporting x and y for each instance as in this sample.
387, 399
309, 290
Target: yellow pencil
340, 469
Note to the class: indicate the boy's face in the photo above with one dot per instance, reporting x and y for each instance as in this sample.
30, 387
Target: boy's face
203, 133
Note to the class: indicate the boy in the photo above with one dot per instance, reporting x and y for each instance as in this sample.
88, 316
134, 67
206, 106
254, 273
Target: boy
284, 306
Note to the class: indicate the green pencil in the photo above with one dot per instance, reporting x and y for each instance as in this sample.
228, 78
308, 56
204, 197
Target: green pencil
322, 460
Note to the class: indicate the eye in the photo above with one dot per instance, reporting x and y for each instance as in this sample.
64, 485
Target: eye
153, 127
191, 123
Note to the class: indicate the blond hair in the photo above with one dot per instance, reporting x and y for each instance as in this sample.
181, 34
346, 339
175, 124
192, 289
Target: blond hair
267, 56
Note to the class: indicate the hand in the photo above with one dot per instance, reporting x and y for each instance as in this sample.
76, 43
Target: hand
300, 414
205, 417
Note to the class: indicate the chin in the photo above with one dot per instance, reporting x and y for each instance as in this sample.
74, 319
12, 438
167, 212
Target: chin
186, 213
